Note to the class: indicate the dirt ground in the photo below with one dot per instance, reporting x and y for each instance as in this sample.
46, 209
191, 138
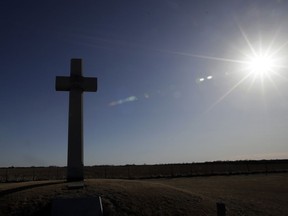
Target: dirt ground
242, 195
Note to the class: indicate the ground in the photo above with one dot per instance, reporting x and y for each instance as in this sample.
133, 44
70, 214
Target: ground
243, 195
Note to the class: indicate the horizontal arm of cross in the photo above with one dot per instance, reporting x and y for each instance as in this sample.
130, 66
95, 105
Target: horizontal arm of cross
87, 84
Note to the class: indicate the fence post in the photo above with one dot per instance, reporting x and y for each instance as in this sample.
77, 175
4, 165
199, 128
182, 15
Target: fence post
171, 170
6, 174
266, 168
105, 172
248, 168
221, 209
33, 173
191, 170
212, 169
129, 174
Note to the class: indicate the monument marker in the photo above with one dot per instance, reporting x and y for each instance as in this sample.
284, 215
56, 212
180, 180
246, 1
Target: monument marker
76, 84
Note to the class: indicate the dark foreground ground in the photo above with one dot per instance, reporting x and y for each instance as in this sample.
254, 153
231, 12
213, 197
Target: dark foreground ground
243, 195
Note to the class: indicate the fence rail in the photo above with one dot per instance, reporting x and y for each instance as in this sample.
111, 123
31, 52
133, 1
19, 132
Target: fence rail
18, 174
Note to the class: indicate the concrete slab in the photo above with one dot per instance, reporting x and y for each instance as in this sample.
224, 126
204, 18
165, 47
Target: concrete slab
76, 185
84, 206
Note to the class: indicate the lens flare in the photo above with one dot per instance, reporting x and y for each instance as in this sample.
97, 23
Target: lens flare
122, 101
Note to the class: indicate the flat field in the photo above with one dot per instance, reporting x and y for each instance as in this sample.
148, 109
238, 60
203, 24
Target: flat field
257, 194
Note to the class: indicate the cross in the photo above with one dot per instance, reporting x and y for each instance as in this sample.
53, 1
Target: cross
76, 84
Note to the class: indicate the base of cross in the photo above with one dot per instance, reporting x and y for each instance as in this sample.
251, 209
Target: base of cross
76, 185
75, 173
75, 179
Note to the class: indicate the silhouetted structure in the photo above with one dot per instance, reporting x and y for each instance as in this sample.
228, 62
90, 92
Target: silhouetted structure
221, 209
76, 84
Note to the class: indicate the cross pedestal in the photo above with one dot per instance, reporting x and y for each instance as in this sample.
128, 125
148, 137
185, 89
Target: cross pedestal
76, 84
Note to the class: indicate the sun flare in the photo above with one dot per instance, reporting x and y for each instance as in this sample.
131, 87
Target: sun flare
260, 61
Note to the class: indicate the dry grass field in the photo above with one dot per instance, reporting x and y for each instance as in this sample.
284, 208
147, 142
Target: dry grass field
243, 195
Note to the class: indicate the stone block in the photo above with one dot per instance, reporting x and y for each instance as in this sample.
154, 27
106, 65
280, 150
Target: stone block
84, 206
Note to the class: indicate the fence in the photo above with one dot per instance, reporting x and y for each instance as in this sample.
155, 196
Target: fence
12, 174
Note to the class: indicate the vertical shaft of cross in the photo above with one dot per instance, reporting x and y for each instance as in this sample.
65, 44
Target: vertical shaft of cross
75, 124
75, 137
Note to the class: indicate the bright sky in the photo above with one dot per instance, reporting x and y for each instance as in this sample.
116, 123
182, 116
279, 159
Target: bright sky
178, 80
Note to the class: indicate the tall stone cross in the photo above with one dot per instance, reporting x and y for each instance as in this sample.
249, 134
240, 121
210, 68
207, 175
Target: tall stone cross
76, 84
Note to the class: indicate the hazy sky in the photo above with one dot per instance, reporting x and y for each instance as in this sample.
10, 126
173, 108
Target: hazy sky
172, 82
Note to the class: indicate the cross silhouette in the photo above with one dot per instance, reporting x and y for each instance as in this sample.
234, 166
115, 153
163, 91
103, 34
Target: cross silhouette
76, 84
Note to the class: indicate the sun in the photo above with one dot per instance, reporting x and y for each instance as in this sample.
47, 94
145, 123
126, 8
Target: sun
262, 60
260, 64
